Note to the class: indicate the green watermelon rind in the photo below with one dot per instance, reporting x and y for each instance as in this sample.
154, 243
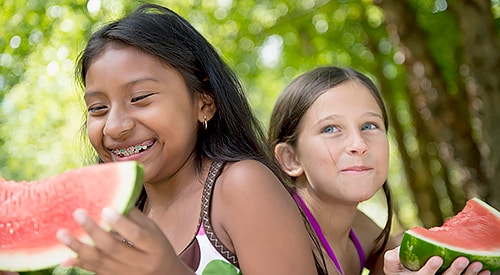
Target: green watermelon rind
124, 202
415, 250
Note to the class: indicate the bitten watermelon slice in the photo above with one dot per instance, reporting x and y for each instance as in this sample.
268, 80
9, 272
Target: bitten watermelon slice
32, 212
473, 233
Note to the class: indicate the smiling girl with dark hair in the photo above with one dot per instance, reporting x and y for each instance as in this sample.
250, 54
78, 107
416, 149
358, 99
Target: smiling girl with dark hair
158, 93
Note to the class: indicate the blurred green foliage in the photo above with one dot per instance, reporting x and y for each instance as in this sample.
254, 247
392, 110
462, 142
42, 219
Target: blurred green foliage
267, 43
41, 107
41, 111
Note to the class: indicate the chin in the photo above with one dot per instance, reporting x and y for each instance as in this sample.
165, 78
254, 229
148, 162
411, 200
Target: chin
365, 196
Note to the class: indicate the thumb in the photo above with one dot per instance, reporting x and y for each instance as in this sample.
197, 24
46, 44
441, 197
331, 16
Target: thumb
392, 255
392, 265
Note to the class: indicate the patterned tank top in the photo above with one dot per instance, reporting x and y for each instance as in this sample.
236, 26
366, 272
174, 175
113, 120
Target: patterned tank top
205, 253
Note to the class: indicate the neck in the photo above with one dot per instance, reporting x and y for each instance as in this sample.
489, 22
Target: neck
334, 217
183, 184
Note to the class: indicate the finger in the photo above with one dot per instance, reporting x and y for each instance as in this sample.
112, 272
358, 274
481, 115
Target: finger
82, 250
70, 262
457, 266
474, 268
106, 243
89, 257
485, 272
431, 266
136, 228
64, 236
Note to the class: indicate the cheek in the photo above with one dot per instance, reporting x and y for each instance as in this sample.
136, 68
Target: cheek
328, 153
322, 159
320, 155
94, 133
383, 160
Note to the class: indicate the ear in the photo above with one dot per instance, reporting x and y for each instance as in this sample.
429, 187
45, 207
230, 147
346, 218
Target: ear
287, 159
206, 107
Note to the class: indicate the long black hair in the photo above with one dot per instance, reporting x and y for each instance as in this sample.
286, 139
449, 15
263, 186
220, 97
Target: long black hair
233, 133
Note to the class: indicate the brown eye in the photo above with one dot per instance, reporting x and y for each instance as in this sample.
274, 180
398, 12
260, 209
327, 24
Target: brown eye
138, 98
95, 109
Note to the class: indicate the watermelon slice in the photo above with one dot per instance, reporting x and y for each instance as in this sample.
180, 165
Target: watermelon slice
473, 233
32, 212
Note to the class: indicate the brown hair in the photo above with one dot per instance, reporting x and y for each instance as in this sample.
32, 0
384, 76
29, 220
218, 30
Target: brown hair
298, 97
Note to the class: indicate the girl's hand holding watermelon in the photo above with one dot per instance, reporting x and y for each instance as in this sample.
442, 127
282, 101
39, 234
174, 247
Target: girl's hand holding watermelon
393, 266
140, 248
466, 242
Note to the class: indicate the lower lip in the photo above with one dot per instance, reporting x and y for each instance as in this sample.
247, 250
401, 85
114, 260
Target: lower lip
356, 172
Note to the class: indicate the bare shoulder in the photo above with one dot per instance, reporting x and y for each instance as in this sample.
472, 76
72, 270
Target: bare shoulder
250, 188
245, 168
249, 175
255, 217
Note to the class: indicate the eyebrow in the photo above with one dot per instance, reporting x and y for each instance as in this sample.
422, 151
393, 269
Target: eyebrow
129, 84
141, 79
375, 115
325, 118
368, 114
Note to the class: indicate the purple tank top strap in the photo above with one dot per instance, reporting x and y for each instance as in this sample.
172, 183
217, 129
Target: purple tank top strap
322, 238
319, 232
359, 248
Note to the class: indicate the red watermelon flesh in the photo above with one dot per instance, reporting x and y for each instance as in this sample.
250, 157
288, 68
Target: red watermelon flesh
473, 233
475, 228
32, 212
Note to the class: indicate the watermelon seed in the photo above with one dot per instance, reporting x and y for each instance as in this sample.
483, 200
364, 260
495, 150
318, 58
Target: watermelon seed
9, 226
35, 224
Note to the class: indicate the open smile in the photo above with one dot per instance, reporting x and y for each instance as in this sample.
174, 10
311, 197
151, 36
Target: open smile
132, 150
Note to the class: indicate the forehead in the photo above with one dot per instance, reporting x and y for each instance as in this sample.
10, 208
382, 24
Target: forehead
347, 99
118, 64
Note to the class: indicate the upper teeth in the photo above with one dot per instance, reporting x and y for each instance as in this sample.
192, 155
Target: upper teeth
125, 152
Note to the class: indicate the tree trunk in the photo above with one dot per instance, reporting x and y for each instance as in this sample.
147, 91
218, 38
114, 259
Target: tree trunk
481, 44
442, 117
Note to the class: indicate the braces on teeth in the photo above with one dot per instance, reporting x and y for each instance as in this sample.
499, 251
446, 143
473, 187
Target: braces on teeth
125, 152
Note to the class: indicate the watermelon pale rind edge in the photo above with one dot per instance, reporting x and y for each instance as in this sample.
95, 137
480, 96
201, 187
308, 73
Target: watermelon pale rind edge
122, 203
416, 249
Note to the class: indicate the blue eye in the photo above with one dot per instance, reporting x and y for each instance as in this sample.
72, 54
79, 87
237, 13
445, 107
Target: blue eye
369, 126
330, 129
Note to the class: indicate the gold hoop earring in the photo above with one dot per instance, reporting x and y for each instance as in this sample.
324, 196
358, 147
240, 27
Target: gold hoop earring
205, 122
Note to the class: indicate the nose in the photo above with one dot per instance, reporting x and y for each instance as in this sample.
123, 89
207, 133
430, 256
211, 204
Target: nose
118, 124
357, 145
